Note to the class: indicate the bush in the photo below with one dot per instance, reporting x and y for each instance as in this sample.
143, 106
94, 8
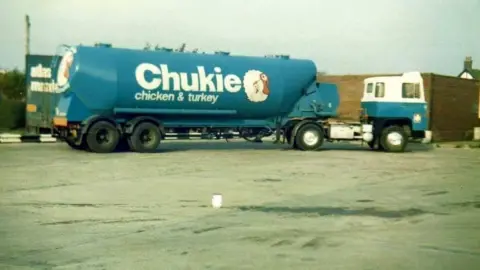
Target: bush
12, 85
12, 114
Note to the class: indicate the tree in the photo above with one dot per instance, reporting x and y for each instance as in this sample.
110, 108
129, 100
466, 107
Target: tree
147, 47
12, 85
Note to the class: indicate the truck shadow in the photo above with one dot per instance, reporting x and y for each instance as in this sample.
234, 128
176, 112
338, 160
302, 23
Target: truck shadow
198, 145
176, 146
338, 211
412, 147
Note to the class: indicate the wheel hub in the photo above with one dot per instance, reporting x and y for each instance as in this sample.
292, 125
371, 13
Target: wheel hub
311, 138
102, 136
395, 138
145, 137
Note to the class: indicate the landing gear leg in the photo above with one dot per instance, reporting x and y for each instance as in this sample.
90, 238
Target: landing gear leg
277, 131
375, 144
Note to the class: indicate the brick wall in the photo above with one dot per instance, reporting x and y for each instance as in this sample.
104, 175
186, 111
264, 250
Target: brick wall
454, 108
427, 85
453, 102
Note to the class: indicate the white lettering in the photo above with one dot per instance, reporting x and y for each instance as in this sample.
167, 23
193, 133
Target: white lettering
193, 86
200, 81
155, 96
203, 98
140, 76
206, 82
158, 96
185, 85
219, 78
166, 76
39, 71
43, 87
233, 83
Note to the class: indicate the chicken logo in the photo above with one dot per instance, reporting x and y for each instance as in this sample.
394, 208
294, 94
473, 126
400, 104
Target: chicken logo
64, 69
256, 85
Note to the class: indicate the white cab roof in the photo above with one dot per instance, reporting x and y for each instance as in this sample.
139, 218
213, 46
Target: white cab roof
413, 76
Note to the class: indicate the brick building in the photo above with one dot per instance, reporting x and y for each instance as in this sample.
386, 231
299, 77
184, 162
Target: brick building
468, 71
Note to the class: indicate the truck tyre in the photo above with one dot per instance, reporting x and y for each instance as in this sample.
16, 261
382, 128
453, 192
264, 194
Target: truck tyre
393, 139
309, 137
76, 146
102, 137
145, 138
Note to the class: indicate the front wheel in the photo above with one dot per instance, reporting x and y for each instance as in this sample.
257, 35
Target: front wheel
309, 137
393, 139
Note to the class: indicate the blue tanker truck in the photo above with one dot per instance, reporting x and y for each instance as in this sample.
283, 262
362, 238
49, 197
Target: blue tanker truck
115, 98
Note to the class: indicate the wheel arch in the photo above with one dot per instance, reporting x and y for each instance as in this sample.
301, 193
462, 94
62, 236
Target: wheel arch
382, 123
299, 124
131, 124
87, 123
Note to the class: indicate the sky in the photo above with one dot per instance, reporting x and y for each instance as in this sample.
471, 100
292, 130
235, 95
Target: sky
341, 36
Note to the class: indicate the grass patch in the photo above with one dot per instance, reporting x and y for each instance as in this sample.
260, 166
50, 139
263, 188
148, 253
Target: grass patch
12, 131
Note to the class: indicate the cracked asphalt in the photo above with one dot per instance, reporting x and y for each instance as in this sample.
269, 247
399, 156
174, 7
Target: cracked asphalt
344, 207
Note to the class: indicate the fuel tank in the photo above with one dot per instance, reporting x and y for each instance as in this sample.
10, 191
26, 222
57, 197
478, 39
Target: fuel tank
127, 81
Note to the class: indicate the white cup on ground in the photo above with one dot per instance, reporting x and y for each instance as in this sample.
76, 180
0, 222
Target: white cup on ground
217, 200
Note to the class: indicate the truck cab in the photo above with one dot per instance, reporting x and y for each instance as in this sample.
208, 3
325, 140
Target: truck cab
397, 101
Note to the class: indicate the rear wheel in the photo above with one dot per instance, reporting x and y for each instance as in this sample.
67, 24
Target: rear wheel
393, 139
309, 137
102, 137
145, 138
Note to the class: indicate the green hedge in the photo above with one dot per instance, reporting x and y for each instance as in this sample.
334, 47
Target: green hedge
12, 114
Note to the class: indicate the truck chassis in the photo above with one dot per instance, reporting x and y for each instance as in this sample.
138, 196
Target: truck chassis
144, 134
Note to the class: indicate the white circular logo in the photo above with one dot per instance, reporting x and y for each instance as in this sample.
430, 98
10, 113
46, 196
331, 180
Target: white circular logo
256, 85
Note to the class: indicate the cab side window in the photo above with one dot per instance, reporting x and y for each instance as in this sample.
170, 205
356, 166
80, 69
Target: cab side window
369, 88
410, 90
380, 90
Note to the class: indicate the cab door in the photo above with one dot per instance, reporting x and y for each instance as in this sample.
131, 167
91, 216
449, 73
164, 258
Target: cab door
414, 106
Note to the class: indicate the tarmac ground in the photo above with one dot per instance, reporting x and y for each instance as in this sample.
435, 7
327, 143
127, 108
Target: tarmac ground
343, 207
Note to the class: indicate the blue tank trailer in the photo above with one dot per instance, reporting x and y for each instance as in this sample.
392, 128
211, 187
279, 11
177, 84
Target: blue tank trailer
116, 98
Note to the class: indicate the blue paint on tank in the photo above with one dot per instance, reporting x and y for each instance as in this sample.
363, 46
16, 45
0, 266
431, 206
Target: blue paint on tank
185, 87
399, 110
321, 99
